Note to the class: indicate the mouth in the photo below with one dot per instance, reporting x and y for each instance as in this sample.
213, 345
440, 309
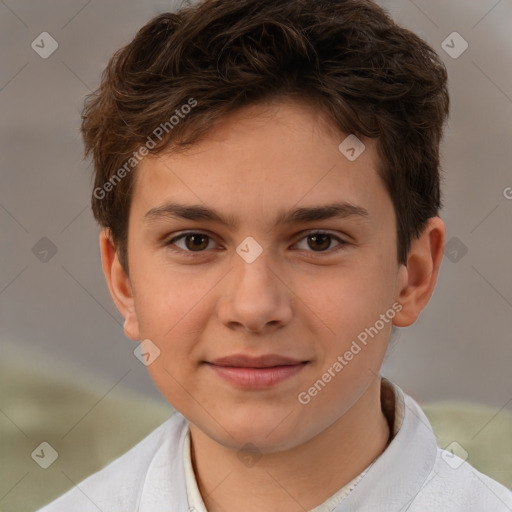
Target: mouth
256, 372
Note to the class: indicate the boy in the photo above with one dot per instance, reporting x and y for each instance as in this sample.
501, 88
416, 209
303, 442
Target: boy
267, 180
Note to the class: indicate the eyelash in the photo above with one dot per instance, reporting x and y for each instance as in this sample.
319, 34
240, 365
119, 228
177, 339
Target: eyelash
170, 243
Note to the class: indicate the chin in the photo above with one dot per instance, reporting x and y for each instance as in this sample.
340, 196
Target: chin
267, 432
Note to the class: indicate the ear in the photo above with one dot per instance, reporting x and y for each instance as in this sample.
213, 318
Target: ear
119, 285
418, 276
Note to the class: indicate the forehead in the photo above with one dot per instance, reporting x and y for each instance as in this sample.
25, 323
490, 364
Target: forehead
264, 159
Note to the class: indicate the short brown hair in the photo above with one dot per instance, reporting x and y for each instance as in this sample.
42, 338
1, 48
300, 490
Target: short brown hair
371, 78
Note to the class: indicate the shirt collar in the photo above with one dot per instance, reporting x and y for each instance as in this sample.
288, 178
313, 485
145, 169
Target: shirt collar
400, 471
403, 468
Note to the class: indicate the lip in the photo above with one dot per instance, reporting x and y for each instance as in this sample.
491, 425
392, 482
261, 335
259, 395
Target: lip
256, 372
264, 361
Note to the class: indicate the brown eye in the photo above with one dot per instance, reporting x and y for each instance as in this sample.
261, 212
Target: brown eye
318, 241
196, 241
192, 242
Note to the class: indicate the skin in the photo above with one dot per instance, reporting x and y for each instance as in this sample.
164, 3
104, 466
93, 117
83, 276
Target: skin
298, 298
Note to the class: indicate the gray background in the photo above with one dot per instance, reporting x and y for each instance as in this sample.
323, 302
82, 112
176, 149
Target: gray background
58, 314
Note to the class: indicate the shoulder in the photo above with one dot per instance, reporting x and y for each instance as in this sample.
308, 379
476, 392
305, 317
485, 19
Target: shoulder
117, 487
431, 478
454, 485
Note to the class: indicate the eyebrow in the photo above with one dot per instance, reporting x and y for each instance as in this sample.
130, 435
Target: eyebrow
196, 212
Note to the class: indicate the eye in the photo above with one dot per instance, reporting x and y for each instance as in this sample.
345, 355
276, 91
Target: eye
193, 241
321, 240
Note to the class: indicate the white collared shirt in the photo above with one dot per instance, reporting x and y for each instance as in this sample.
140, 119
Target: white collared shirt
196, 502
412, 474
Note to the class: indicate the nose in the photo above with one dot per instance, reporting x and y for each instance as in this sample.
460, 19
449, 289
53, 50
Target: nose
255, 297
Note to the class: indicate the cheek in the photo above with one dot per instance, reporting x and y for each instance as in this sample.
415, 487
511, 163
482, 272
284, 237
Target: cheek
165, 294
174, 321
173, 309
350, 353
352, 297
352, 308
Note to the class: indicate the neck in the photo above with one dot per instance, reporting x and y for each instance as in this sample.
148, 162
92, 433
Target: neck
300, 478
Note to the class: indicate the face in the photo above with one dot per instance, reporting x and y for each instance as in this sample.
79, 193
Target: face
254, 305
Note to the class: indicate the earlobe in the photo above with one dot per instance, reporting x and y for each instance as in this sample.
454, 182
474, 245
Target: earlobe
418, 277
119, 285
